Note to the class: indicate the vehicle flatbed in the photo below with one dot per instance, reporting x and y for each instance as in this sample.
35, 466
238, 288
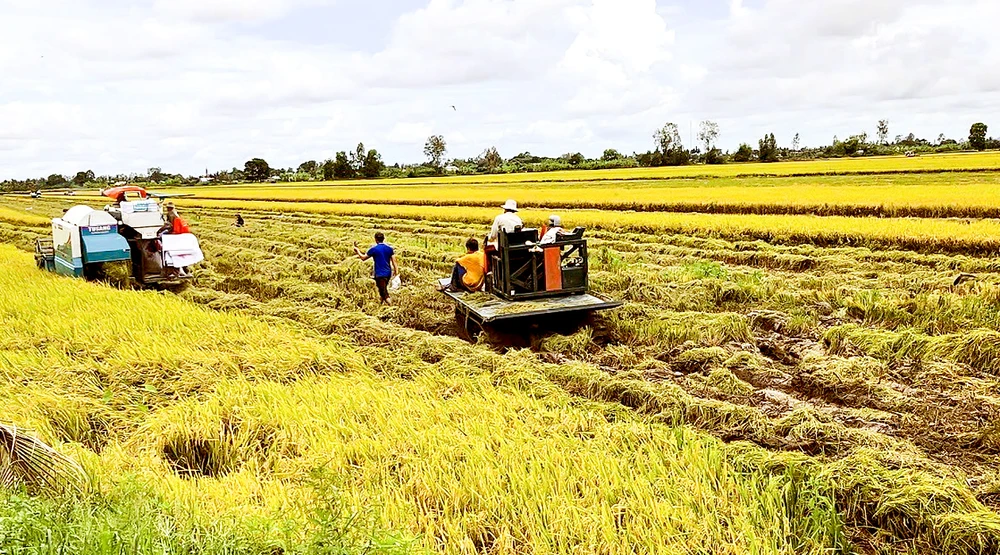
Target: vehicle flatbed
486, 308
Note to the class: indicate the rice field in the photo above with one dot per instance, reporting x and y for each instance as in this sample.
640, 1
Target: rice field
921, 195
924, 234
775, 383
934, 163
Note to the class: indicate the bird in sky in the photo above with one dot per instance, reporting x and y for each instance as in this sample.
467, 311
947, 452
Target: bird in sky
454, 108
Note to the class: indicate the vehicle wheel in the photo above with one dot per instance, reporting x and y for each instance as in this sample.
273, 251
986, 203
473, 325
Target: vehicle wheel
568, 324
468, 329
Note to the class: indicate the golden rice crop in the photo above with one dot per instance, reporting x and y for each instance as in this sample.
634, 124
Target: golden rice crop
930, 195
943, 235
220, 415
719, 333
835, 166
22, 217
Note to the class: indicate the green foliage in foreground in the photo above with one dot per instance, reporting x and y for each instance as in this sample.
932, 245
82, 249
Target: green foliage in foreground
133, 520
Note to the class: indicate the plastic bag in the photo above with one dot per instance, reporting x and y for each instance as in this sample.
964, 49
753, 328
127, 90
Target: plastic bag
395, 284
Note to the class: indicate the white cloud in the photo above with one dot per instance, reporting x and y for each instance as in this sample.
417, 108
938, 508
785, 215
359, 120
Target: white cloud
626, 35
473, 41
118, 86
410, 132
230, 10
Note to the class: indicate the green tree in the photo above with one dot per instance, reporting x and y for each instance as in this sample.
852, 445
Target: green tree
574, 158
795, 142
525, 158
668, 138
610, 155
256, 170
357, 158
309, 167
342, 168
768, 149
373, 165
714, 156
55, 180
883, 131
490, 160
744, 153
669, 145
434, 149
852, 145
156, 175
82, 178
708, 133
326, 170
977, 136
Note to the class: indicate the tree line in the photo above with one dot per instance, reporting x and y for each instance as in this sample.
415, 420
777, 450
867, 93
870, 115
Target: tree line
667, 150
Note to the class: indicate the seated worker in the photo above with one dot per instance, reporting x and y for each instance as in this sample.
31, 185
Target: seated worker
239, 221
470, 270
555, 229
174, 223
508, 221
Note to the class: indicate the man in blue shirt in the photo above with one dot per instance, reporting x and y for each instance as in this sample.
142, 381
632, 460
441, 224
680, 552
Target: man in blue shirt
385, 264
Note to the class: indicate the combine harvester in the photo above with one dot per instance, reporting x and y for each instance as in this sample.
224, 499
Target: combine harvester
84, 239
530, 287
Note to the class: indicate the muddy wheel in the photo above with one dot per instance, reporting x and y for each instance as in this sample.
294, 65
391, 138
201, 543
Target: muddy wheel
501, 339
568, 324
468, 328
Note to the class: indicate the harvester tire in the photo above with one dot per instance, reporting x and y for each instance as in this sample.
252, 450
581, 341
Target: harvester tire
468, 329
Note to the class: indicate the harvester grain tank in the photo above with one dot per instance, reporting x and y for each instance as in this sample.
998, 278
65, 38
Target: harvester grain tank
83, 240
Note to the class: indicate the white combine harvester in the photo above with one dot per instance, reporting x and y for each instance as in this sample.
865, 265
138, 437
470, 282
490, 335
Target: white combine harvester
84, 239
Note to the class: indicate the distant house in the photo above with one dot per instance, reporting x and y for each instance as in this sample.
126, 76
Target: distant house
205, 180
451, 168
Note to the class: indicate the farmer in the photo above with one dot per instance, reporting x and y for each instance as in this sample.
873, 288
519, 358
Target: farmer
174, 223
470, 270
555, 229
385, 264
239, 221
508, 221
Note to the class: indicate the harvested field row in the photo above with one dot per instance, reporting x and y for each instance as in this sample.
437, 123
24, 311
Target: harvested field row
917, 234
967, 196
737, 338
419, 454
874, 166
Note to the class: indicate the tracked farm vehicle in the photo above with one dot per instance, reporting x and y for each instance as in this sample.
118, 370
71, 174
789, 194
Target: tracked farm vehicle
85, 239
530, 286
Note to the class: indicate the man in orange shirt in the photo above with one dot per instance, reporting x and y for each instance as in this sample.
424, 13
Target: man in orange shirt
174, 222
470, 270
174, 225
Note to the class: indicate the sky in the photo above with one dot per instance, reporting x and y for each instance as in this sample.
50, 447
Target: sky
119, 86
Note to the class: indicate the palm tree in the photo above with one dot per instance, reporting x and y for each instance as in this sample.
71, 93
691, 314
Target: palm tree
27, 461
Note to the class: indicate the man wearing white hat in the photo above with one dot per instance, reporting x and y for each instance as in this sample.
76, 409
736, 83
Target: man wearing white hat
507, 221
